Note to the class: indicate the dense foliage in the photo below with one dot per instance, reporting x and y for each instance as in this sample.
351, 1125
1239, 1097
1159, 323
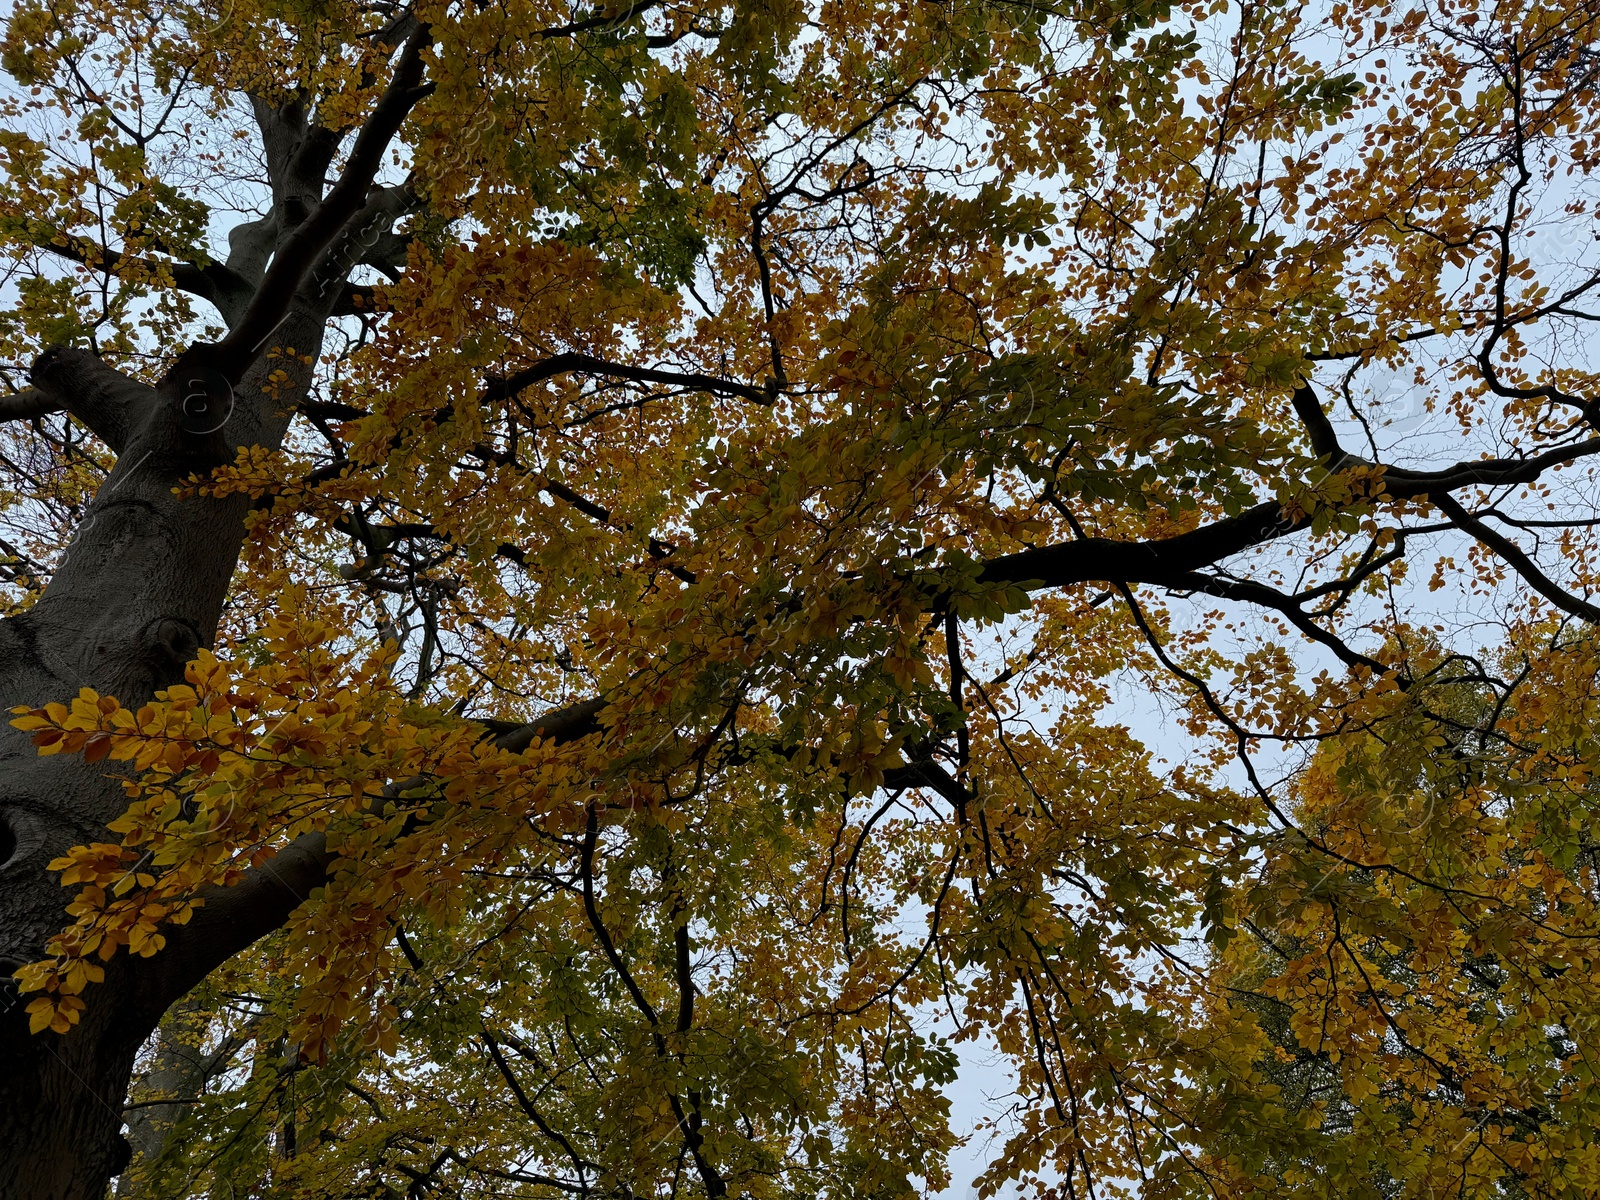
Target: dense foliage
686, 647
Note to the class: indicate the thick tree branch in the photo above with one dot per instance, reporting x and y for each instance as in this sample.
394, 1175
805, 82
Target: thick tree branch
568, 724
1324, 443
1158, 561
299, 252
28, 404
570, 363
367, 238
1513, 555
104, 399
213, 282
1165, 560
1404, 484
250, 247
285, 127
232, 918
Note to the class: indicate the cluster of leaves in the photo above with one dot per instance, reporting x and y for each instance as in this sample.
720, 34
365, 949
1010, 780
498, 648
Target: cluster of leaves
740, 370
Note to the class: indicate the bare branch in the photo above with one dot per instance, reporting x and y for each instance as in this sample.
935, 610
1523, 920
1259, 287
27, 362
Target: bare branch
1164, 560
29, 404
574, 363
1250, 592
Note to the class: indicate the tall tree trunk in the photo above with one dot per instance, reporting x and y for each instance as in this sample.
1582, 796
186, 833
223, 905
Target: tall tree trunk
138, 591
61, 1105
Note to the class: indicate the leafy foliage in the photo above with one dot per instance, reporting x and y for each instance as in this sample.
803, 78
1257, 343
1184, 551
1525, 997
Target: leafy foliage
688, 629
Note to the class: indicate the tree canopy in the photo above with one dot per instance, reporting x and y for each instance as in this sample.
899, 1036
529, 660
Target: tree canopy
576, 581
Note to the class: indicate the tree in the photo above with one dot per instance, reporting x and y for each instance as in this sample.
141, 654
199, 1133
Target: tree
576, 656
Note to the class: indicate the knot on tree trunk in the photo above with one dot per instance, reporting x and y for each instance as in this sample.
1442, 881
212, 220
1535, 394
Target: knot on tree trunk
170, 645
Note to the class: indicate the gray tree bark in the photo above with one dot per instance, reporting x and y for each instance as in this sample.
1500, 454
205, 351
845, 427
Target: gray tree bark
140, 588
138, 591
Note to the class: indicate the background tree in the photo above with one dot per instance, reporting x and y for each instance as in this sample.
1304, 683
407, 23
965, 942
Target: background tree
569, 573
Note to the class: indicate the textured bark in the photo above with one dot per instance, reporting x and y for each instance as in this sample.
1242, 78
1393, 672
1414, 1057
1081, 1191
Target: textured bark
140, 588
